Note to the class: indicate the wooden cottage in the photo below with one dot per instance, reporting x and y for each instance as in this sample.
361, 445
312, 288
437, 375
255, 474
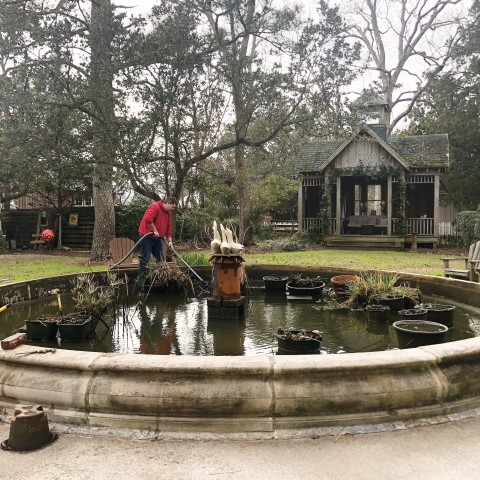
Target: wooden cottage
373, 189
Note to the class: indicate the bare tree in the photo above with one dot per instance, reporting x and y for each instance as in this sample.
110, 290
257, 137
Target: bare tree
408, 42
103, 125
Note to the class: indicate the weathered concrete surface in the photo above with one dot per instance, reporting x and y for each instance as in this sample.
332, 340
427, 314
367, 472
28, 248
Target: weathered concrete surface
256, 396
259, 396
436, 452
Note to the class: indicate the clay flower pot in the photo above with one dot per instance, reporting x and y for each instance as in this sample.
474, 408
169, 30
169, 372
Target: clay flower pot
340, 284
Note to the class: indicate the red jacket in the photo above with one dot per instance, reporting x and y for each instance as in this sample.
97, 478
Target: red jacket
159, 217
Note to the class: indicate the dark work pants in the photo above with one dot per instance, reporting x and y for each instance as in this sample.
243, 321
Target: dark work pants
148, 247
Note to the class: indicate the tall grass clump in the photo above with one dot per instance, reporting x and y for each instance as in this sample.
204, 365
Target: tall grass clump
370, 284
194, 259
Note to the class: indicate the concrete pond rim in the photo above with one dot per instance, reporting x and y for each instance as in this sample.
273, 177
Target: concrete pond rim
264, 396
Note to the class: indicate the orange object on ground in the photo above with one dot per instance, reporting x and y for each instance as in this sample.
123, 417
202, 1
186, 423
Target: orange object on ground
48, 236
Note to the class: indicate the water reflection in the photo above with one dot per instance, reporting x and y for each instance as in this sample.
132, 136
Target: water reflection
173, 325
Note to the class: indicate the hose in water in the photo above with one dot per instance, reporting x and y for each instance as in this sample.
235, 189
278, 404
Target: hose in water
187, 265
111, 267
163, 240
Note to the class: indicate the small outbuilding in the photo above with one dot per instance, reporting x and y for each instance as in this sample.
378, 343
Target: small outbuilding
373, 189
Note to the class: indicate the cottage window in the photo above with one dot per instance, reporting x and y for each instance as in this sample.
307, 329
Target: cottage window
374, 199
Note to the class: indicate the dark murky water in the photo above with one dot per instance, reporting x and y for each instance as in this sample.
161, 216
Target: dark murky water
174, 325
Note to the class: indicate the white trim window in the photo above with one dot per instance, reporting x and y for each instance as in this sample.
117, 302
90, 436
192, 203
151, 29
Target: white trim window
83, 202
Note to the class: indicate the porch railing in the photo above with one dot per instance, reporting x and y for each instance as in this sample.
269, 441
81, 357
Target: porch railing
314, 225
421, 226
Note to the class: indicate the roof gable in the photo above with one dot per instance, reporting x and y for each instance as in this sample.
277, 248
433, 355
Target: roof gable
421, 151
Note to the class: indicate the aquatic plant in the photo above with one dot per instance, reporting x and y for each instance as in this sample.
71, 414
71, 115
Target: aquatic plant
94, 296
369, 284
194, 259
170, 276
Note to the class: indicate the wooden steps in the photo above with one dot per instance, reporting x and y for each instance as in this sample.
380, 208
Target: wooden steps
365, 242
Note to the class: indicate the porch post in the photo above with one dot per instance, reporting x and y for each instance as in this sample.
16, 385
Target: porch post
300, 206
436, 205
389, 205
339, 196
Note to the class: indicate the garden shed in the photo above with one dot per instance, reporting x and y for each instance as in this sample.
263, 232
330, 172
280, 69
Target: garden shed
373, 189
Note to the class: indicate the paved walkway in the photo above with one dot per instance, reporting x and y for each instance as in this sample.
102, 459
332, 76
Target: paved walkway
437, 452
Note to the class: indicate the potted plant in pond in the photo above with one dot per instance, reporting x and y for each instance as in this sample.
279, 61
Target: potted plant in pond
275, 283
299, 285
43, 329
377, 288
298, 341
92, 299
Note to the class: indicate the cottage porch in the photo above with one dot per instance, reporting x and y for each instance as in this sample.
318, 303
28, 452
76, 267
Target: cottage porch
375, 236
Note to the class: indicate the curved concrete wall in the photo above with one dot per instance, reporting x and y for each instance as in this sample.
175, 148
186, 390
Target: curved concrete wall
261, 395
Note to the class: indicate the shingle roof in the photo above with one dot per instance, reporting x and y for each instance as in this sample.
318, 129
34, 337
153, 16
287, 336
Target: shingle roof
316, 153
422, 150
417, 151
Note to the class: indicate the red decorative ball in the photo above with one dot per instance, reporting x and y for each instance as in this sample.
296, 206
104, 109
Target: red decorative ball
48, 236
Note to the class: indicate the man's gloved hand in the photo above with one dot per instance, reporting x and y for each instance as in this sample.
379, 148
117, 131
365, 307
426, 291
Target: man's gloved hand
170, 244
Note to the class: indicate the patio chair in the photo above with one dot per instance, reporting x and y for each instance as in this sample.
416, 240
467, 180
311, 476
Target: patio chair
471, 265
119, 248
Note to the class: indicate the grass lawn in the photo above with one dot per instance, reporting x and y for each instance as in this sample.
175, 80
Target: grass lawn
28, 266
412, 262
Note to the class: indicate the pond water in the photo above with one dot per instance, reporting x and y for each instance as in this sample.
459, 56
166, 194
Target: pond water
176, 325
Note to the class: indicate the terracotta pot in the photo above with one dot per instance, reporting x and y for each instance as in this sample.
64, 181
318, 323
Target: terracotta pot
340, 284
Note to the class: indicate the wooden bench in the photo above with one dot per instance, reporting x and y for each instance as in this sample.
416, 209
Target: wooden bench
284, 225
470, 270
367, 224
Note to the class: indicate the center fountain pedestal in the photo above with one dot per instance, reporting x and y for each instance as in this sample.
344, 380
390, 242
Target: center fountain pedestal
226, 299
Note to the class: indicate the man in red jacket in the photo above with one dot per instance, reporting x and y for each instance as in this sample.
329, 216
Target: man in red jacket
157, 219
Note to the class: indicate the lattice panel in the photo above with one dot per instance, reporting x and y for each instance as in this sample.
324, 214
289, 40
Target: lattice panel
420, 178
313, 181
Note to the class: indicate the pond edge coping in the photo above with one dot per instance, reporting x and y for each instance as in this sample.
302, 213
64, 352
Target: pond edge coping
263, 396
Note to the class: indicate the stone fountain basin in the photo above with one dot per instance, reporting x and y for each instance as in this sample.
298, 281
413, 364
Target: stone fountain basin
260, 396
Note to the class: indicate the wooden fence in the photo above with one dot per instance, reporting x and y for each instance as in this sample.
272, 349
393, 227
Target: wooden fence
21, 226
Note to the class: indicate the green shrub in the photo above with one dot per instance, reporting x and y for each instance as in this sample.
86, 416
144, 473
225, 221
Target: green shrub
130, 216
194, 224
468, 226
262, 231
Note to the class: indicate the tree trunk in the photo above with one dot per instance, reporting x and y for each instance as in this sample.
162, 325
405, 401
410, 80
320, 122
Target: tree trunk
245, 233
103, 126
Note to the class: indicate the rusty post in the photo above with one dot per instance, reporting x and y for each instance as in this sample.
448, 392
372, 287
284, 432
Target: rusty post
414, 242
